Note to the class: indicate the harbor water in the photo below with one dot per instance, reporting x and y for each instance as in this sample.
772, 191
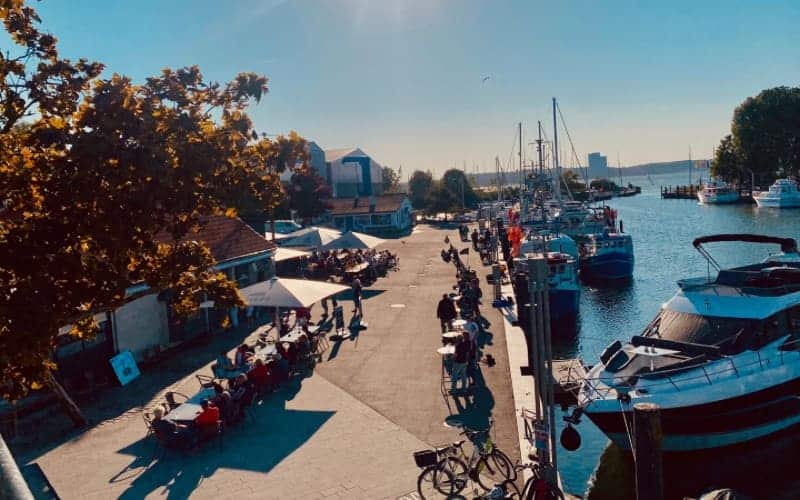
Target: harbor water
663, 231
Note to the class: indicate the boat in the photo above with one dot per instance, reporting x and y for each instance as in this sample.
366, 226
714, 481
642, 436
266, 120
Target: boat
607, 255
548, 241
721, 358
717, 192
563, 286
783, 193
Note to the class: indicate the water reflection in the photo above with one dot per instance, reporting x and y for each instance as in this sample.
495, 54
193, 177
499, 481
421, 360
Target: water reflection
760, 469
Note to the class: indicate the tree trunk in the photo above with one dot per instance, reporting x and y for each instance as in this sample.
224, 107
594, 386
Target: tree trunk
67, 403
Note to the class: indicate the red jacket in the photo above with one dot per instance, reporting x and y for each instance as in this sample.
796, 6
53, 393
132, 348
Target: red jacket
208, 417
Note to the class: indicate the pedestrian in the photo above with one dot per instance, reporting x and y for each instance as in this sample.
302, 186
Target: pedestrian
325, 307
458, 374
446, 312
251, 319
357, 288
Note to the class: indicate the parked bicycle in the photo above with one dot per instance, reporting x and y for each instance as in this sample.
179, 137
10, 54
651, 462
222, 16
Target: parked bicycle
537, 487
447, 470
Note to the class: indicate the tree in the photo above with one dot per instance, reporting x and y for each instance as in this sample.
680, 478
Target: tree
390, 180
766, 131
100, 167
442, 199
727, 164
308, 193
570, 180
419, 188
457, 182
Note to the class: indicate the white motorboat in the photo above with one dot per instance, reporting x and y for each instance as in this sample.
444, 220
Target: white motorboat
783, 193
721, 358
717, 192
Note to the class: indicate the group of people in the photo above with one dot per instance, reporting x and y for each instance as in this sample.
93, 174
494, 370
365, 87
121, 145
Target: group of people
335, 263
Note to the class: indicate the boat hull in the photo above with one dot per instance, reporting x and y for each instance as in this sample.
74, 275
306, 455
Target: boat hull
769, 202
564, 304
717, 199
718, 424
613, 266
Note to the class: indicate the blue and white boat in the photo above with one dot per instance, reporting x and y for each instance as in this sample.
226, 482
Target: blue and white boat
549, 241
565, 291
607, 256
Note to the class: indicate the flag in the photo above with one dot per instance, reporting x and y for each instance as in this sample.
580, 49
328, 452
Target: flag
465, 251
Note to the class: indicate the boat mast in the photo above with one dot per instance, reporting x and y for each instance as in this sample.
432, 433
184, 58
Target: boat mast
690, 165
539, 149
499, 188
555, 153
521, 178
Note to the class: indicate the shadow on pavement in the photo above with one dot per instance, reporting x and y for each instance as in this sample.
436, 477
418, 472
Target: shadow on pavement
257, 444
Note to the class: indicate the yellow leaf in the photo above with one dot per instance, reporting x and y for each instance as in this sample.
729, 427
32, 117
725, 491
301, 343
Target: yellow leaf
231, 212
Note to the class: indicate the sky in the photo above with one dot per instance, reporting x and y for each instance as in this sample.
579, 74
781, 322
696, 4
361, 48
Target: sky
405, 80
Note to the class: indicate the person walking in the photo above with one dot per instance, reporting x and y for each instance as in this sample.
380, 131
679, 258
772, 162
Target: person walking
357, 289
446, 312
458, 374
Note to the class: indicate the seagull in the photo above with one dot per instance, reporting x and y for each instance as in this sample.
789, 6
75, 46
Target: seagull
485, 79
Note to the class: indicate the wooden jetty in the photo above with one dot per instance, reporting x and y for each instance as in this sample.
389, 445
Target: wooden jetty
690, 193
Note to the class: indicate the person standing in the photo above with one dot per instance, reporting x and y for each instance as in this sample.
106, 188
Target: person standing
446, 312
458, 374
357, 289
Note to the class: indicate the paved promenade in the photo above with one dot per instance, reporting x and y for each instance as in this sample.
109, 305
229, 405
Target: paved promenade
347, 430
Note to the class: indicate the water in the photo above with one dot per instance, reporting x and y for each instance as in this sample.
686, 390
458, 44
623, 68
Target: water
662, 231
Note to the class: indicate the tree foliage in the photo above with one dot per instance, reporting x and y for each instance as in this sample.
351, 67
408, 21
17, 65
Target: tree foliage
442, 199
727, 164
456, 182
308, 193
92, 169
419, 188
390, 180
765, 136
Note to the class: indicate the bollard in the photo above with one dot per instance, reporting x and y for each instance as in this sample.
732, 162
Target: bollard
647, 452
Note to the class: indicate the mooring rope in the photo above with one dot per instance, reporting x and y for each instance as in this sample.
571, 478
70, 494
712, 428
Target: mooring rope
627, 430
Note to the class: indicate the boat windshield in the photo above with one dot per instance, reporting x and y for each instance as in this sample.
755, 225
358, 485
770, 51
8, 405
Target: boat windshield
694, 328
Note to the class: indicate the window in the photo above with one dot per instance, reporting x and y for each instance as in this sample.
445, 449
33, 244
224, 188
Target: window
381, 219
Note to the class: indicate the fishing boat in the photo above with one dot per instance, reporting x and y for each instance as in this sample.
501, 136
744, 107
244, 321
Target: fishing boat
717, 192
721, 358
607, 255
564, 289
549, 241
783, 193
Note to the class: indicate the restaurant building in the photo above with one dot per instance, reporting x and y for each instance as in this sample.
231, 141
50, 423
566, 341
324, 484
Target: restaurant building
388, 215
147, 325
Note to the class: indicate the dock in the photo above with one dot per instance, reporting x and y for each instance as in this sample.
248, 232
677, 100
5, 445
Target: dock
690, 193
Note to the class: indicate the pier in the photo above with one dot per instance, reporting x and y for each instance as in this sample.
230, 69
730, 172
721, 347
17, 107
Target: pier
690, 193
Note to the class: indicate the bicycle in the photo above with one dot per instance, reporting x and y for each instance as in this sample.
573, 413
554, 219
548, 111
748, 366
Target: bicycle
537, 487
448, 469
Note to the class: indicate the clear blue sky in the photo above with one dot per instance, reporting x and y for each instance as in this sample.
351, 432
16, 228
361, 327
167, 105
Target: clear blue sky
402, 79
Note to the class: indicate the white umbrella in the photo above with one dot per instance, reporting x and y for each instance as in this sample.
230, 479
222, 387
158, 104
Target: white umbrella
352, 239
282, 254
312, 237
288, 293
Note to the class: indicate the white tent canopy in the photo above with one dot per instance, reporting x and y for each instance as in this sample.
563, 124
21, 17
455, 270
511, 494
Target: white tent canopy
288, 293
312, 237
352, 239
282, 254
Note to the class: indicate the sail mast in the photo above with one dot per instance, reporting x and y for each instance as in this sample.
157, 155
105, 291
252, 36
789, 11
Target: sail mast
555, 153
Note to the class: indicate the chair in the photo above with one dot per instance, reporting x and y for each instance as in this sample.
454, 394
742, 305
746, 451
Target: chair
172, 401
148, 422
206, 381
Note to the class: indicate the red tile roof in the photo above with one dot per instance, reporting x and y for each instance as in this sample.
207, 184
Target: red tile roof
227, 238
383, 204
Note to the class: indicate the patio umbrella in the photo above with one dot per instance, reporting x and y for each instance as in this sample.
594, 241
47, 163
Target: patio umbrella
312, 237
288, 293
353, 240
282, 254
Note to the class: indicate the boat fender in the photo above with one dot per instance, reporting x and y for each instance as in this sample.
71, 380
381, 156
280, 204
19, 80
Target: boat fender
609, 351
570, 438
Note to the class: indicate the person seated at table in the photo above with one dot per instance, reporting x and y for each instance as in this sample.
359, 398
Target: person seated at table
259, 375
172, 434
242, 356
207, 421
281, 369
303, 316
222, 400
223, 365
288, 351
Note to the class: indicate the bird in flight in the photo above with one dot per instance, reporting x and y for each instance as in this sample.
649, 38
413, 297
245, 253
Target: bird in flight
485, 79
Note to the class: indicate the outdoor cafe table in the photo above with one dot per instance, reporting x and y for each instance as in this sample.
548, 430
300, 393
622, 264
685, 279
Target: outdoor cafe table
450, 337
357, 268
447, 350
189, 410
293, 336
459, 324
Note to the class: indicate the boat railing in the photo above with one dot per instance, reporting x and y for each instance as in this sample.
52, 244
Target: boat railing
598, 388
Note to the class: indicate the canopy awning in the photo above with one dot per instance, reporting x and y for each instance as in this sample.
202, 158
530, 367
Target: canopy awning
312, 237
288, 293
282, 254
353, 240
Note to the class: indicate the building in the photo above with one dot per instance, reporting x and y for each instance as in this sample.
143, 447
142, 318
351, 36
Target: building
351, 172
316, 159
147, 325
387, 215
598, 166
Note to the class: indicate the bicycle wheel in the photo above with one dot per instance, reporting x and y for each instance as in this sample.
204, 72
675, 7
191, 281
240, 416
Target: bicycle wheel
458, 469
493, 469
434, 483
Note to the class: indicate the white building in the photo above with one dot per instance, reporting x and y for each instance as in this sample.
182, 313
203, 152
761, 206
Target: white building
598, 166
351, 172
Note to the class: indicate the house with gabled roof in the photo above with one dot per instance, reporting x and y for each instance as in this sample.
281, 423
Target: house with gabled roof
387, 215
